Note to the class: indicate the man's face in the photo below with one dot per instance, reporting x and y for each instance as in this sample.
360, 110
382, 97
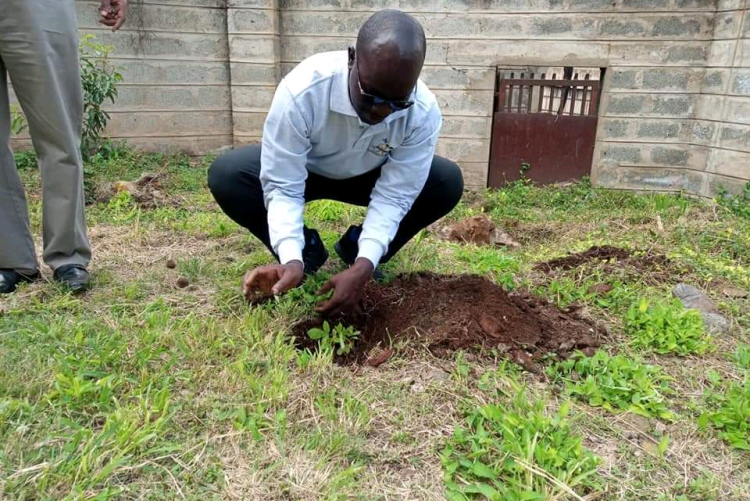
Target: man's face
376, 91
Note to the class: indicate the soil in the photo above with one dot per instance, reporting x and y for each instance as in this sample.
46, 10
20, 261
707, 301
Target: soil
479, 230
643, 262
448, 313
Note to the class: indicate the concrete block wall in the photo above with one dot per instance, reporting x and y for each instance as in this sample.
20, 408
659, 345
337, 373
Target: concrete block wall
675, 109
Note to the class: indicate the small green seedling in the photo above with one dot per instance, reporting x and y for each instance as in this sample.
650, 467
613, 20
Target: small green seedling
339, 337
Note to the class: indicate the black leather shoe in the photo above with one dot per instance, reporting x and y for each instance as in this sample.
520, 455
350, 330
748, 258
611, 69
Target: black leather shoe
9, 280
347, 249
74, 276
314, 255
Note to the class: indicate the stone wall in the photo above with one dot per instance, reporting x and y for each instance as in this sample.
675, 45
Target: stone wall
675, 110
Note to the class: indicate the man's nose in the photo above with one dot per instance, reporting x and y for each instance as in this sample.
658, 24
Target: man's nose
381, 111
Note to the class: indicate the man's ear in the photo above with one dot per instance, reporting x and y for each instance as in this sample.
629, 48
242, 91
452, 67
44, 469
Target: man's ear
352, 53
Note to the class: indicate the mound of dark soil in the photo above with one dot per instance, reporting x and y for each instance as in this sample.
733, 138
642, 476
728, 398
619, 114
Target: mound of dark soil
605, 253
448, 313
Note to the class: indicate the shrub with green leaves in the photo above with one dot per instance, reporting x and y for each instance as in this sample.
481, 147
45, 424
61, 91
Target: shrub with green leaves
615, 383
338, 338
517, 452
739, 203
728, 411
99, 78
667, 327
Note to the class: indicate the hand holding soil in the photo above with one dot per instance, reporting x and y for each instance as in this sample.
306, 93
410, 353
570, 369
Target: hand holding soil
348, 288
272, 279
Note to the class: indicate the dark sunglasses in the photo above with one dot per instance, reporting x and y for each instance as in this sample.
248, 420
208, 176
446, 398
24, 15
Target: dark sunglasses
370, 100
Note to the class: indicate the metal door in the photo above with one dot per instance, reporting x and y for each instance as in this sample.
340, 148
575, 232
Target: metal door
543, 129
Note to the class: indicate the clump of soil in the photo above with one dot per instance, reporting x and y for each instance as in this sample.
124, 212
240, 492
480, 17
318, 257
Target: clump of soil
605, 253
479, 230
146, 191
448, 313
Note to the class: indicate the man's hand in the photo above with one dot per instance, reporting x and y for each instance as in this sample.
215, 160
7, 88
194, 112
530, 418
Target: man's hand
112, 13
347, 286
273, 279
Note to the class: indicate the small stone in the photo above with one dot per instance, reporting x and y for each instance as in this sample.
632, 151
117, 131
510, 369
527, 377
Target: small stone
182, 282
589, 351
599, 289
171, 264
692, 297
715, 323
640, 423
650, 447
735, 292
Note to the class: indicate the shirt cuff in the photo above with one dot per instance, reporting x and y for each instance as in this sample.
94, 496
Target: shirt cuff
370, 249
289, 249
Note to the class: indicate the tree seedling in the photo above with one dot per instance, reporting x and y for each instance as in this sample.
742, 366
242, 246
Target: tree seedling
339, 338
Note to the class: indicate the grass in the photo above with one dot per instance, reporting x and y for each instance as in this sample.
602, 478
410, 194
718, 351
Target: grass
145, 390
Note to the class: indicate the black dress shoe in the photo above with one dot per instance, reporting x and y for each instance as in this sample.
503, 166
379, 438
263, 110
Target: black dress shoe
347, 249
9, 279
74, 276
314, 255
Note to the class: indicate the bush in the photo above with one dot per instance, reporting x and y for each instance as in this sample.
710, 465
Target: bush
100, 79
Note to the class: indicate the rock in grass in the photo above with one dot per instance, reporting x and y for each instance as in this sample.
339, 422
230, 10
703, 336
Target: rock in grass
171, 264
182, 282
694, 299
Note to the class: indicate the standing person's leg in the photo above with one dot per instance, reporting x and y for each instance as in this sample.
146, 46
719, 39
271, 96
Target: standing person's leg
16, 245
40, 51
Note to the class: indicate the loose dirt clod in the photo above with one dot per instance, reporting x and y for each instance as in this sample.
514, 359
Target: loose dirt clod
171, 264
448, 313
480, 230
182, 282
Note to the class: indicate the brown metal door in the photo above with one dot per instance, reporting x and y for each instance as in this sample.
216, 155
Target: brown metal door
543, 130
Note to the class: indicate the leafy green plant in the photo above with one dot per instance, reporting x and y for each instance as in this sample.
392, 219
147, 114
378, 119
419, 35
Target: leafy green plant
100, 79
738, 204
339, 338
667, 327
516, 452
615, 383
18, 122
728, 411
742, 356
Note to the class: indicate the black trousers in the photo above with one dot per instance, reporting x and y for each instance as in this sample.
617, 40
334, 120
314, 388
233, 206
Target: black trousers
234, 180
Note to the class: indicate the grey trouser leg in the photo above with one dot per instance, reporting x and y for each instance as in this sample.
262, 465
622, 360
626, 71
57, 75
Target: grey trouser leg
39, 48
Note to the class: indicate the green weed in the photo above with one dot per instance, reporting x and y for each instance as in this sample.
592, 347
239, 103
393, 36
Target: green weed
728, 411
742, 356
667, 327
615, 383
338, 338
738, 204
517, 452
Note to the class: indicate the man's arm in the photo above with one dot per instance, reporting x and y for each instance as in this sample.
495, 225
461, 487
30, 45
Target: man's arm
286, 143
401, 181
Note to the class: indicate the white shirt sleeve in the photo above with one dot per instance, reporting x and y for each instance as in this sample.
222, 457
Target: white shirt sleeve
283, 172
402, 179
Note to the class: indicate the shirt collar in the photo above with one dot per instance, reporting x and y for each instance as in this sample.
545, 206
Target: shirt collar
340, 101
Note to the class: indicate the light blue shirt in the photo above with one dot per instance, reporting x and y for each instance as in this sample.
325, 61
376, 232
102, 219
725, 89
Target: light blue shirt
313, 127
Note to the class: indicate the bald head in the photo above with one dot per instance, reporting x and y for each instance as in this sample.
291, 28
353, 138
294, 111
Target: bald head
395, 30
